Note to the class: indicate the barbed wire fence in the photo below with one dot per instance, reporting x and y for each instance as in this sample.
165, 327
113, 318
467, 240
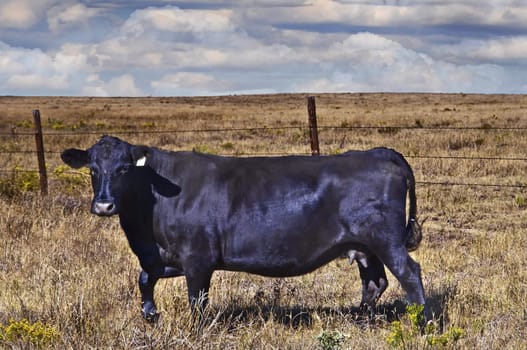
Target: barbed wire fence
312, 128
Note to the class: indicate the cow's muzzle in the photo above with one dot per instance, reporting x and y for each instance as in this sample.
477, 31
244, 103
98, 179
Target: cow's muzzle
104, 208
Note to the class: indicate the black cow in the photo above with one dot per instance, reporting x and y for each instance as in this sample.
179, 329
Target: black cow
189, 214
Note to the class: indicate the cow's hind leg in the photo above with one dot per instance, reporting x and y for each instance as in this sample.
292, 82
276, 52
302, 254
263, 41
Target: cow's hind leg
407, 271
374, 281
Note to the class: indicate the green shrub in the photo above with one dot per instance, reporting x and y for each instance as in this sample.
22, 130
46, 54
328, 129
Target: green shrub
520, 201
26, 124
71, 180
56, 124
37, 334
204, 149
407, 334
330, 340
20, 181
227, 146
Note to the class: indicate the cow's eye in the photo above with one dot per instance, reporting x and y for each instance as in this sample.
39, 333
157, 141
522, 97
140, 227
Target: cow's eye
123, 169
94, 172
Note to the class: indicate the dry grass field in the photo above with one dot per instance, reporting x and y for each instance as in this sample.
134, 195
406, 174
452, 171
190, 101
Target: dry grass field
68, 278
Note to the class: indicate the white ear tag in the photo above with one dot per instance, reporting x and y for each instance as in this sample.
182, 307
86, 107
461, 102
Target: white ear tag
141, 161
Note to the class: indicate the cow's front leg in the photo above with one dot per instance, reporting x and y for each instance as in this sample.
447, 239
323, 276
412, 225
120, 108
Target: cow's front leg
198, 283
147, 282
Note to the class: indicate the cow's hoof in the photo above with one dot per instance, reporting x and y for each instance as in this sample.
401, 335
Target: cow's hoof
367, 309
151, 317
149, 313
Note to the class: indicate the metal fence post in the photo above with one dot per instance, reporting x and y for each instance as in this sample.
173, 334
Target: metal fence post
40, 153
313, 131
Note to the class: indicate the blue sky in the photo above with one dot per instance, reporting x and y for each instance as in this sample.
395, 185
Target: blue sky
218, 47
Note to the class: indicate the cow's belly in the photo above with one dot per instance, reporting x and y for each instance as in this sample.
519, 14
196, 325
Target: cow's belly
288, 243
284, 250
279, 265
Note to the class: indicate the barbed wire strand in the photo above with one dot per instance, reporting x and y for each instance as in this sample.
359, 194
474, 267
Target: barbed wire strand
263, 128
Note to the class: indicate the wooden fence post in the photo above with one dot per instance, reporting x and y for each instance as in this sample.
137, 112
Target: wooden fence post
40, 153
313, 131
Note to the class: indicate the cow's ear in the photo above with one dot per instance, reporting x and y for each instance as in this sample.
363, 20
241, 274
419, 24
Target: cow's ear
75, 158
139, 155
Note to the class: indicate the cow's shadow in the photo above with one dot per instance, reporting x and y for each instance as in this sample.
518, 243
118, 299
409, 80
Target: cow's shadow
297, 316
300, 316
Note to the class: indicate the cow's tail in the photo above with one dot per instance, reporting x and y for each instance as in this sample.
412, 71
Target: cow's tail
414, 234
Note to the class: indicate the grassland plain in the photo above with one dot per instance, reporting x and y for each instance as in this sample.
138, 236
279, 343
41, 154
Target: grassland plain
68, 279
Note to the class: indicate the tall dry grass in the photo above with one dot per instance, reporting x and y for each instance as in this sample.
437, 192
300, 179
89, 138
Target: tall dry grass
74, 272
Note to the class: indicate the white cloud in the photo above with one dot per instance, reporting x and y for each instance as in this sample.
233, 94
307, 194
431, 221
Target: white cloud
172, 38
123, 85
17, 14
94, 86
64, 15
368, 62
506, 50
35, 81
22, 69
188, 83
173, 19
64, 72
396, 13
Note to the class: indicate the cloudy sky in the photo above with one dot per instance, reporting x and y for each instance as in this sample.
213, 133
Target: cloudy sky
218, 47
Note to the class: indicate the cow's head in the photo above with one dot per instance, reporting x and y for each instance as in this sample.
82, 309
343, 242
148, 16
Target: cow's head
111, 161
